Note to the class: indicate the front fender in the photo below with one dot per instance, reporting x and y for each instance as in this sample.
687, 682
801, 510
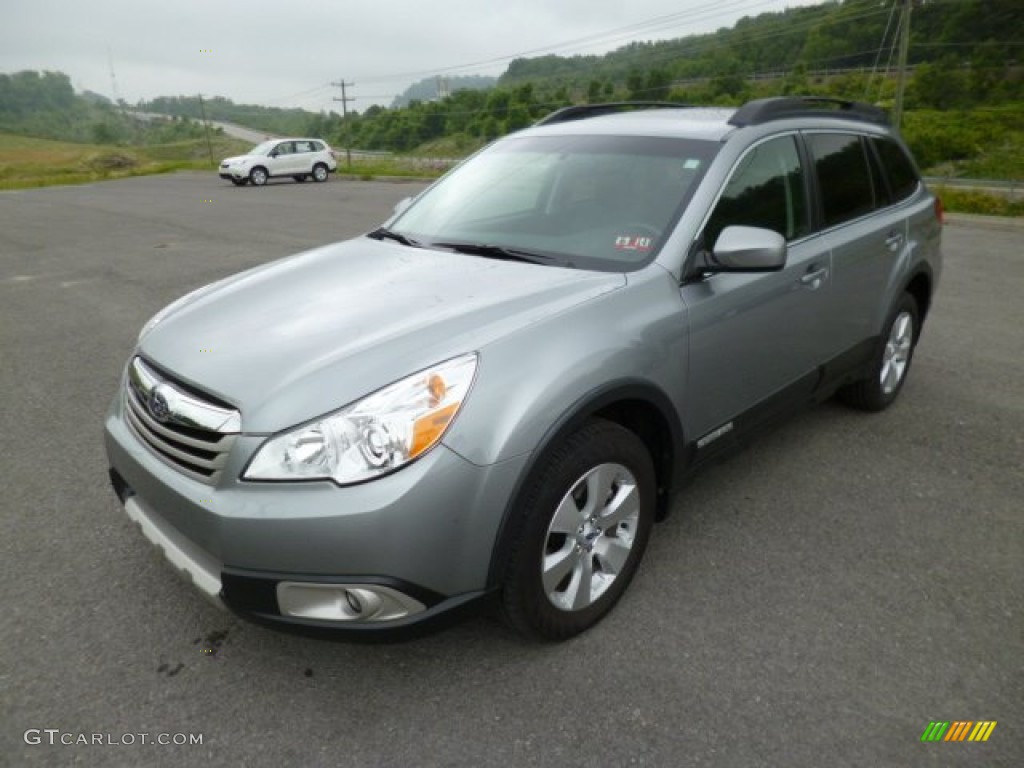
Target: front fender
529, 380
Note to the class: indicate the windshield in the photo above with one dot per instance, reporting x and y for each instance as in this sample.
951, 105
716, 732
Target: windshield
264, 148
595, 202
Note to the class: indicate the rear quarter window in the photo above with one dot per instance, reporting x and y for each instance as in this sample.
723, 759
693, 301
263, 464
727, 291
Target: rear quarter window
898, 168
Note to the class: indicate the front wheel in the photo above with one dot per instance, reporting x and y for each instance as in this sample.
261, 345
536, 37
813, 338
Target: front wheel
891, 362
579, 533
258, 176
319, 172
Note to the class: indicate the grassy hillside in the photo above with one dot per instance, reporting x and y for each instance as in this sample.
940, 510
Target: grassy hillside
28, 162
983, 143
989, 144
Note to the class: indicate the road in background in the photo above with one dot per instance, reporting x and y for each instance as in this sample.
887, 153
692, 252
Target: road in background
814, 601
246, 134
235, 131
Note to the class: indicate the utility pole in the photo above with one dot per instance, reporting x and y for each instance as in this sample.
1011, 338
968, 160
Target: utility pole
443, 88
345, 99
113, 80
206, 125
901, 81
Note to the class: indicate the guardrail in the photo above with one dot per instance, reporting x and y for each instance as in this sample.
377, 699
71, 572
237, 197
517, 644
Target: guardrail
1012, 189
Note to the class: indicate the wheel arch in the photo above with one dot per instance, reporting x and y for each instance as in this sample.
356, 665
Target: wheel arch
638, 406
920, 286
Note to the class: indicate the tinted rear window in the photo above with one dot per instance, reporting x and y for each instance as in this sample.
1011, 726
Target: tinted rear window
898, 168
843, 176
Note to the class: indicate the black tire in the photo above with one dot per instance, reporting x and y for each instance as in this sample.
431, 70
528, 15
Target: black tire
891, 362
611, 463
239, 182
299, 177
258, 176
320, 172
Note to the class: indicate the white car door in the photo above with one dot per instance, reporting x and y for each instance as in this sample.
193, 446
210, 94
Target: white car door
281, 159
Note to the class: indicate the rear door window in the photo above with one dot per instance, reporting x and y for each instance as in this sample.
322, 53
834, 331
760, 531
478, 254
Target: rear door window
848, 189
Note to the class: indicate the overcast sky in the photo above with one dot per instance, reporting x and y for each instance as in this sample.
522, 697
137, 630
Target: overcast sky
286, 53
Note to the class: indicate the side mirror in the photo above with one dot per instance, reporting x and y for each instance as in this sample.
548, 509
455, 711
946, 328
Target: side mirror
745, 249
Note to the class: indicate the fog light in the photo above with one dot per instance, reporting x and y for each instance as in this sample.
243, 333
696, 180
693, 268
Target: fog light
355, 603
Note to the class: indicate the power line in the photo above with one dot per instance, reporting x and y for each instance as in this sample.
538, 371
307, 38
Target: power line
709, 43
321, 87
700, 13
658, 23
901, 82
878, 57
851, 11
857, 12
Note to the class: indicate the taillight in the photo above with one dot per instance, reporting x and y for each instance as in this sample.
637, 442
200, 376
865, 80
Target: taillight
940, 212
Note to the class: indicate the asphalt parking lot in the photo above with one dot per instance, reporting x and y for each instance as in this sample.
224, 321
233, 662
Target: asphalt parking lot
814, 601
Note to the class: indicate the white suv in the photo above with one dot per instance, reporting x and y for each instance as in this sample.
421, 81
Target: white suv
298, 158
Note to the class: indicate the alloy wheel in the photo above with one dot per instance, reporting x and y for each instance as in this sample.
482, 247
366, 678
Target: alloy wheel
590, 537
896, 355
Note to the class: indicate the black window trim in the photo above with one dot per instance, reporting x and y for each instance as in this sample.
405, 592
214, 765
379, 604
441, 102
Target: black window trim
872, 139
814, 207
879, 180
809, 202
863, 136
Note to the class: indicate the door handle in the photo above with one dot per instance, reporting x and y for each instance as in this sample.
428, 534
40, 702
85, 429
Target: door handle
814, 277
894, 241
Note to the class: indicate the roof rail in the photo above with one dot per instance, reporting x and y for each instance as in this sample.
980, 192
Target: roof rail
777, 108
582, 111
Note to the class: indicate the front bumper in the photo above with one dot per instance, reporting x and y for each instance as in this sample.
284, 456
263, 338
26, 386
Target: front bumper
412, 547
235, 172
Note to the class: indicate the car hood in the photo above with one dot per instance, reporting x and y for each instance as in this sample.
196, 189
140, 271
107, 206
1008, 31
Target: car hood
292, 340
238, 159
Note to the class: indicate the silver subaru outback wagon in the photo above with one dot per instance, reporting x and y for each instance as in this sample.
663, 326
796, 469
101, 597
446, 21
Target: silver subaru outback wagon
489, 400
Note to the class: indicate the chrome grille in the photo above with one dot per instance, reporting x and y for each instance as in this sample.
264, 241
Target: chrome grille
186, 431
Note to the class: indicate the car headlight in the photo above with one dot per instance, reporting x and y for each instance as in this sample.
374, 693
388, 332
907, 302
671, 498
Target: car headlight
372, 436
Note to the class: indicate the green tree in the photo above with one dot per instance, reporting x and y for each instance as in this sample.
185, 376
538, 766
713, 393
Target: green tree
658, 84
939, 85
635, 85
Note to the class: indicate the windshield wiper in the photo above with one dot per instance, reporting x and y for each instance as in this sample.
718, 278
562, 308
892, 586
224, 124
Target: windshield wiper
383, 233
495, 252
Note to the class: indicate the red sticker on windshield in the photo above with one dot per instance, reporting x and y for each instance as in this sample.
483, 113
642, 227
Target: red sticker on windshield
633, 243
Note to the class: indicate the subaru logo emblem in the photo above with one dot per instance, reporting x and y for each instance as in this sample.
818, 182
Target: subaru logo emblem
158, 406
